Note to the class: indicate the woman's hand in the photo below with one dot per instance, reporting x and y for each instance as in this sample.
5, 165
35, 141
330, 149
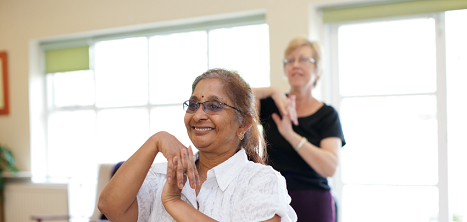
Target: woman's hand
170, 147
171, 193
286, 105
284, 125
292, 109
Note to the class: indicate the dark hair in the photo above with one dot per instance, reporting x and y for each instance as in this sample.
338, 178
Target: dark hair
243, 98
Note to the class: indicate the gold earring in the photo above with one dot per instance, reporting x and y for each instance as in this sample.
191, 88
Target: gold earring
241, 136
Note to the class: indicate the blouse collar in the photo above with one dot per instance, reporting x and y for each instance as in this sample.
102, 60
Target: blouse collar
224, 173
227, 171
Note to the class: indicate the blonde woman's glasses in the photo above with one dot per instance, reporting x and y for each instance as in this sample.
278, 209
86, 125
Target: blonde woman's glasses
301, 61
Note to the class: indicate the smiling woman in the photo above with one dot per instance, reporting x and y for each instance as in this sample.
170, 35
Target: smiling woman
227, 180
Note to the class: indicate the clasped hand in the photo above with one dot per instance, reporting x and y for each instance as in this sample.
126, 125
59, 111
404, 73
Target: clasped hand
180, 168
286, 106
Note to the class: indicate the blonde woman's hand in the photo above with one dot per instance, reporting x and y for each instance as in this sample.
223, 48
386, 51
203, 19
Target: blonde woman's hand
280, 100
292, 109
286, 105
284, 125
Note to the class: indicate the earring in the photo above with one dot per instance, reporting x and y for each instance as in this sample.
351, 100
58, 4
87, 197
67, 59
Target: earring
241, 136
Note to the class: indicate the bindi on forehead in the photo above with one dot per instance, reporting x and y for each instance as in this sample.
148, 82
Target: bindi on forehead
210, 98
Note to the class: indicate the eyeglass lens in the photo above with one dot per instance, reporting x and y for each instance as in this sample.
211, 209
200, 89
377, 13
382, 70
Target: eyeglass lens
208, 106
300, 60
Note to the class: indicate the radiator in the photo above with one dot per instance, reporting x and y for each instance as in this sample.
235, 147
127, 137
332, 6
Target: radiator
22, 200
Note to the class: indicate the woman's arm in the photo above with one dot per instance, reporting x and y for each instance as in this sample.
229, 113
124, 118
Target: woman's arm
118, 199
323, 160
279, 98
184, 212
276, 218
285, 105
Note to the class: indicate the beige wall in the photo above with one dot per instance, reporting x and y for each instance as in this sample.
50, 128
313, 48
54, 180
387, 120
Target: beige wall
22, 21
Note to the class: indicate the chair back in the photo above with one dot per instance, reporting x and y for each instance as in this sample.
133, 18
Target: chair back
104, 175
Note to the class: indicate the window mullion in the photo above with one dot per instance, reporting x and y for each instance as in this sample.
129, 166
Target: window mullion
442, 118
148, 106
207, 44
332, 95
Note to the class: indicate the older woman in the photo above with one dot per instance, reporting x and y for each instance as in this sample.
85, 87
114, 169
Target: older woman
304, 142
225, 181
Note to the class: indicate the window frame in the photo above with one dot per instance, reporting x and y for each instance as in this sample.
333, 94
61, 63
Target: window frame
332, 94
39, 141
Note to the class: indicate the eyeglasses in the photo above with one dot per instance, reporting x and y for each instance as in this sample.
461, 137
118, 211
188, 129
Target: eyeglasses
302, 61
209, 107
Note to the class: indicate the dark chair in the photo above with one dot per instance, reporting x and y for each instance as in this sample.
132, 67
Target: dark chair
114, 170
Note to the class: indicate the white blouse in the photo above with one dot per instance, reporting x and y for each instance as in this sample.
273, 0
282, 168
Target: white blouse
235, 190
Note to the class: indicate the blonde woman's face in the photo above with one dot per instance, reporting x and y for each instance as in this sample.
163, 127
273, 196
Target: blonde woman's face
302, 72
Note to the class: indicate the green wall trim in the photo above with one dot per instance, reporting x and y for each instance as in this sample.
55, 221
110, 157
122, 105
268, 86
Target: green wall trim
331, 15
69, 59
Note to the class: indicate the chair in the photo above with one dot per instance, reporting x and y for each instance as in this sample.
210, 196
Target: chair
106, 171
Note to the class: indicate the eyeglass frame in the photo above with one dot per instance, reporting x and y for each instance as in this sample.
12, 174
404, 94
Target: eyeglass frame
187, 104
302, 61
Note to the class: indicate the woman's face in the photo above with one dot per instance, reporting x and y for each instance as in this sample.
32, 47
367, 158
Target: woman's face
214, 131
301, 74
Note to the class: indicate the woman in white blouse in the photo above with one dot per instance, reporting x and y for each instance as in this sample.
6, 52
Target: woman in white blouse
227, 180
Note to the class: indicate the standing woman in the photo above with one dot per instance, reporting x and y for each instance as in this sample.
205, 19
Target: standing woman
304, 135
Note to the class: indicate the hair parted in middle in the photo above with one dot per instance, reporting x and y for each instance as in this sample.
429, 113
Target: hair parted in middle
243, 98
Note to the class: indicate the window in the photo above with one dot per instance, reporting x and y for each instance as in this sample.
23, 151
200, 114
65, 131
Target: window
135, 87
387, 83
456, 70
390, 91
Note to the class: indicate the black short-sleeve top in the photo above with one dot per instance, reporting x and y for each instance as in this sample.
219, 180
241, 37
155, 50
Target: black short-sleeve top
322, 124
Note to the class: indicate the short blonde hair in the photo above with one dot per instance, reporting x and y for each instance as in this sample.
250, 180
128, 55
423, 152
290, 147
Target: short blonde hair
300, 41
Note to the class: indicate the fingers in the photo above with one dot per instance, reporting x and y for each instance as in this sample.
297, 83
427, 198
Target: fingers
198, 182
184, 162
170, 169
180, 162
180, 172
282, 105
281, 102
188, 167
276, 119
284, 125
292, 109
192, 172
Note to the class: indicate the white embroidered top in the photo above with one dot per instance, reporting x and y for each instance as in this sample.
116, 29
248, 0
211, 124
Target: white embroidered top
235, 190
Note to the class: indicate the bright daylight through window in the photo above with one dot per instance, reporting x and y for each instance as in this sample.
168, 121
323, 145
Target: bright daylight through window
390, 93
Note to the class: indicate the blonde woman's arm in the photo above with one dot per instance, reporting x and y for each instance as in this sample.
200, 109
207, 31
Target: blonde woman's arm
285, 105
